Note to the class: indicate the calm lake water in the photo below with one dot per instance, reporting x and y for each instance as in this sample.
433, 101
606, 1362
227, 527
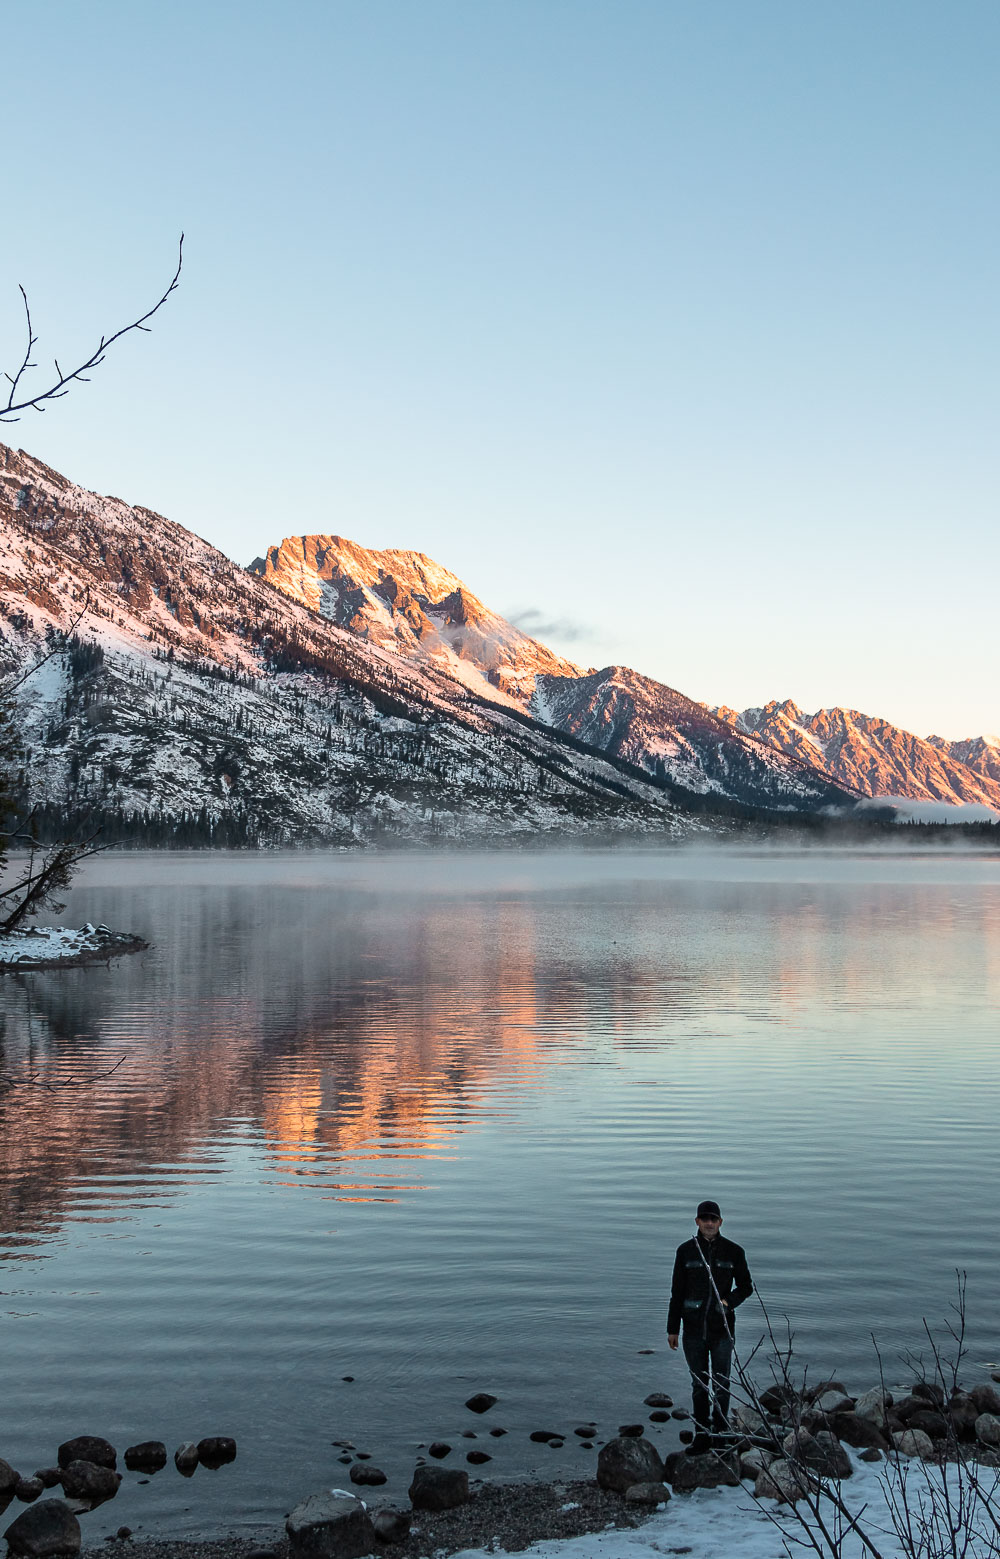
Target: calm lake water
438, 1123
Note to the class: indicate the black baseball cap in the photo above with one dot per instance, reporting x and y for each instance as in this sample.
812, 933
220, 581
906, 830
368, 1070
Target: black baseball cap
708, 1210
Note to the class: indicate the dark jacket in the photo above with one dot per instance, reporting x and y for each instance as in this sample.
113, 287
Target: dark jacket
692, 1297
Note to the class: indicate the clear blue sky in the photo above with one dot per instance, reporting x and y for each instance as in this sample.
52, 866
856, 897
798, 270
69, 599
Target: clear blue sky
672, 323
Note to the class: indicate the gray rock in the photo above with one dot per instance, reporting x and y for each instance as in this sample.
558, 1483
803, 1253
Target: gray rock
481, 1402
711, 1471
439, 1488
930, 1421
635, 1430
657, 1399
29, 1489
362, 1473
930, 1390
391, 1525
44, 1531
477, 1458
873, 1405
647, 1494
822, 1387
988, 1429
963, 1413
8, 1479
627, 1460
754, 1460
438, 1449
986, 1399
823, 1454
785, 1482
872, 1454
186, 1457
659, 1415
216, 1450
862, 1433
776, 1399
746, 1420
913, 1442
586, 1433
50, 1476
834, 1402
147, 1456
543, 1436
86, 1480
330, 1526
87, 1448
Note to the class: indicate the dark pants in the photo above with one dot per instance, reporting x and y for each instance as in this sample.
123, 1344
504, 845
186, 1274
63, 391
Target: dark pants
709, 1359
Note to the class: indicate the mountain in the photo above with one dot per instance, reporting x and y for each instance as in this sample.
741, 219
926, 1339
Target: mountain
877, 758
406, 602
185, 700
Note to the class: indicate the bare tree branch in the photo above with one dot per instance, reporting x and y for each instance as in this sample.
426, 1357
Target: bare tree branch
9, 412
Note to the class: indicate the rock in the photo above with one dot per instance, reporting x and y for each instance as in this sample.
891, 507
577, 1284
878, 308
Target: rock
679, 1414
439, 1449
469, 1434
391, 1525
931, 1391
822, 1387
988, 1429
627, 1460
9, 1479
496, 1433
659, 1416
862, 1433
657, 1399
635, 1430
478, 1457
905, 1408
824, 1455
543, 1436
873, 1405
785, 1482
647, 1494
913, 1442
481, 1402
711, 1471
963, 1413
439, 1488
747, 1420
47, 1529
330, 1526
872, 1454
50, 1476
754, 1460
776, 1398
833, 1402
86, 1480
186, 1457
585, 1433
362, 1473
28, 1489
930, 1421
87, 1448
986, 1399
147, 1456
216, 1450
556, 1445
123, 1532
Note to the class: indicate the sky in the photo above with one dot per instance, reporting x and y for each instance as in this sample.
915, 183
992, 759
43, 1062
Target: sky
671, 328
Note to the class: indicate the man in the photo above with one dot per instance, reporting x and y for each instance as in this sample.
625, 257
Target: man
710, 1279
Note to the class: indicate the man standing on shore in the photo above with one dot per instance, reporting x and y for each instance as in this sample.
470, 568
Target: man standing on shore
710, 1279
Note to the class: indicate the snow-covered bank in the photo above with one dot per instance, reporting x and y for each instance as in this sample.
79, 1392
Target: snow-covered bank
64, 947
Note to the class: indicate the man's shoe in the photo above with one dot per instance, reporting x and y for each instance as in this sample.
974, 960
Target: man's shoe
700, 1445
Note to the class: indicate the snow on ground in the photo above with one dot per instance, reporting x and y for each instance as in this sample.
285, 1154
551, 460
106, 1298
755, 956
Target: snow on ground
729, 1524
52, 945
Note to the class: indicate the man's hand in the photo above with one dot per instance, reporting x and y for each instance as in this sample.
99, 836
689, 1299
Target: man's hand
673, 1338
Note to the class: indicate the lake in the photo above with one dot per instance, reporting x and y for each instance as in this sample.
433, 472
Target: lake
438, 1122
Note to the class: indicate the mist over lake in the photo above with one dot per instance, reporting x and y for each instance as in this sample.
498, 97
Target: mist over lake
437, 1122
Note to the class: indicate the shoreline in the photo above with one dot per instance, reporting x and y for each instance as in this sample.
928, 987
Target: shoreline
64, 947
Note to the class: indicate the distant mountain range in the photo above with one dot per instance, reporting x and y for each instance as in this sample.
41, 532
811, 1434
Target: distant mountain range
333, 692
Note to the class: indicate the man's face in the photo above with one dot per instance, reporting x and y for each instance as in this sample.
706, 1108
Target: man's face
708, 1228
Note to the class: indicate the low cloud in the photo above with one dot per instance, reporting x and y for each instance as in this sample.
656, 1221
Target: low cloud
540, 626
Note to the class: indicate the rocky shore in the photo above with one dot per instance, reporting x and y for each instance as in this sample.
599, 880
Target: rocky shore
64, 947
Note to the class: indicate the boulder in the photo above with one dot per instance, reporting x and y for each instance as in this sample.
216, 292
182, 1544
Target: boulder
988, 1429
44, 1531
481, 1402
627, 1460
657, 1399
746, 1420
391, 1525
930, 1390
872, 1454
216, 1450
362, 1473
439, 1449
543, 1436
330, 1526
822, 1387
905, 1408
634, 1430
823, 1454
963, 1413
711, 1471
87, 1448
873, 1404
777, 1398
147, 1456
647, 1494
439, 1488
833, 1402
930, 1421
785, 1482
8, 1479
862, 1433
50, 1476
29, 1489
754, 1460
86, 1480
659, 1415
186, 1457
913, 1442
986, 1398
477, 1458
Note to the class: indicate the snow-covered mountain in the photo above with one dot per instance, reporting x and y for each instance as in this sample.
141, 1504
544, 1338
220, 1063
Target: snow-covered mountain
190, 701
877, 758
406, 601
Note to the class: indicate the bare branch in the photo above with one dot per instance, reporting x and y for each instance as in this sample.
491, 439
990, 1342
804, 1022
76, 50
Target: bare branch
9, 412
